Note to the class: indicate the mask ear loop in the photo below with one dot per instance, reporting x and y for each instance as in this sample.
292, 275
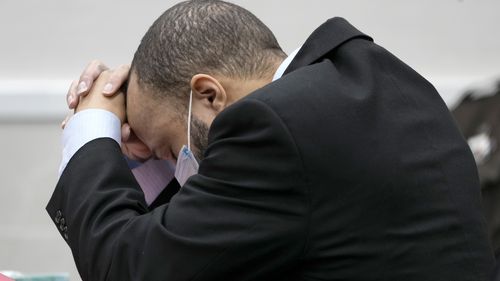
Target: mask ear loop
189, 119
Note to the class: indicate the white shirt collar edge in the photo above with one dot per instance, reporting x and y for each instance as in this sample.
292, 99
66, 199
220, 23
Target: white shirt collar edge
284, 65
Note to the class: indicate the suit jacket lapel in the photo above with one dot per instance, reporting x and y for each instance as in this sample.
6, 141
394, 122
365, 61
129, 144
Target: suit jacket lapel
324, 39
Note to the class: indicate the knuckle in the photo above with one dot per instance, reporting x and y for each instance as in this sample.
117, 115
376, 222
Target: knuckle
106, 72
85, 76
94, 68
102, 67
125, 67
72, 88
94, 62
120, 73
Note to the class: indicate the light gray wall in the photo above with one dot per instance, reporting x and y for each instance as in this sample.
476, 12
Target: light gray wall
28, 239
53, 39
46, 43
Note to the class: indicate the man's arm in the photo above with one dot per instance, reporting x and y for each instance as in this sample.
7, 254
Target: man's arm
91, 122
244, 216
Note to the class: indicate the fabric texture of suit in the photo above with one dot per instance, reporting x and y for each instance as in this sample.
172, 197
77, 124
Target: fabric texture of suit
349, 167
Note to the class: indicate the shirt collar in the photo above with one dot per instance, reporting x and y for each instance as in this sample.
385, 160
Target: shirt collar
283, 66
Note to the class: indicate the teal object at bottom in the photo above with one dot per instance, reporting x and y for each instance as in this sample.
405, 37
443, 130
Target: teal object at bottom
17, 276
43, 278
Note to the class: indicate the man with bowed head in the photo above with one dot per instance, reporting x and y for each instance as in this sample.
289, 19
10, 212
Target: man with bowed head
338, 162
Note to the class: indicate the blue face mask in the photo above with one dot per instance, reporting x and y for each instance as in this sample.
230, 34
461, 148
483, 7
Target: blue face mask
186, 162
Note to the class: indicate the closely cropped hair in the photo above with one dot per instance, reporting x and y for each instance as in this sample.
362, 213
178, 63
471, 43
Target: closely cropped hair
204, 36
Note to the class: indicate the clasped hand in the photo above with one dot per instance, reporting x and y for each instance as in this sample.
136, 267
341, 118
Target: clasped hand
100, 88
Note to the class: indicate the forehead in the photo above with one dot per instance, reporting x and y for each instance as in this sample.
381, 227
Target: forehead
133, 88
143, 104
138, 102
138, 93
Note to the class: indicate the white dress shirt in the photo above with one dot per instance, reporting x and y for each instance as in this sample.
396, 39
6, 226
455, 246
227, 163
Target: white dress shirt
86, 126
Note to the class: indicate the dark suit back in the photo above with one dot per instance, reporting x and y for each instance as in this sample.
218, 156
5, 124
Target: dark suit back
391, 182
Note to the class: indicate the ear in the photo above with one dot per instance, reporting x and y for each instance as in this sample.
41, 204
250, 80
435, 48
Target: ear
209, 92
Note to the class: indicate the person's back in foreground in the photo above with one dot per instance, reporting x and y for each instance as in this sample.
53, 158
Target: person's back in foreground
348, 167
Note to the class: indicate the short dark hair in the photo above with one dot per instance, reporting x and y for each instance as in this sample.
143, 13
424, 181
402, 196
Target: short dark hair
204, 36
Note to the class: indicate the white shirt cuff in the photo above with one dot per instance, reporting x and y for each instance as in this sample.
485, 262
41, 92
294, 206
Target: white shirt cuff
85, 126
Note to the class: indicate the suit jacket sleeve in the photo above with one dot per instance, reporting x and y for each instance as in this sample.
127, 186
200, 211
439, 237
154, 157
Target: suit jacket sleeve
241, 217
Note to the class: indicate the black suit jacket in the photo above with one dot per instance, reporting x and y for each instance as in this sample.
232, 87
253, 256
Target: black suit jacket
347, 168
